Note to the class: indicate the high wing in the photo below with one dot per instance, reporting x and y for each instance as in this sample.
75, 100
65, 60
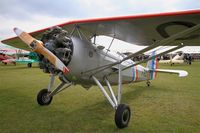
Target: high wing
138, 29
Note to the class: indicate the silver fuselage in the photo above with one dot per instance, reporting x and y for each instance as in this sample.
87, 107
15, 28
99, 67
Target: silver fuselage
87, 56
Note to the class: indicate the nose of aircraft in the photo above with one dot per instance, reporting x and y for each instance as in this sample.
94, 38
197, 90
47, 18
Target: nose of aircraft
37, 46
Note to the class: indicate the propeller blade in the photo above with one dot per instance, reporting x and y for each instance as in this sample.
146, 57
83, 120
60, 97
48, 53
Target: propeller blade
37, 46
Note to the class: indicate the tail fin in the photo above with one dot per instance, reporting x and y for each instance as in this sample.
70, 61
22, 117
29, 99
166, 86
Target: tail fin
152, 65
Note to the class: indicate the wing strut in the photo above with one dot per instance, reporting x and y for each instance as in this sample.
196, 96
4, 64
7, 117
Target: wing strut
143, 61
166, 41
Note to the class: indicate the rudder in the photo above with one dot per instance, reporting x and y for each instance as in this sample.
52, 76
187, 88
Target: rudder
152, 65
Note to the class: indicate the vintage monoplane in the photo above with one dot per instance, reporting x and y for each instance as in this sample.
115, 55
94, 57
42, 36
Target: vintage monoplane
69, 51
4, 58
177, 59
18, 56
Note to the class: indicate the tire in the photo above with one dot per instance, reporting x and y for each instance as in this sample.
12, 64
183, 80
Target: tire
29, 65
42, 98
122, 116
148, 83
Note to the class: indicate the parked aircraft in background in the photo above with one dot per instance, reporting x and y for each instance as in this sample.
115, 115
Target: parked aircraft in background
28, 58
5, 58
18, 56
179, 58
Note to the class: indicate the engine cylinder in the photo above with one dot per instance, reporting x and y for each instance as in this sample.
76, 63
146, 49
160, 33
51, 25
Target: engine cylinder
59, 43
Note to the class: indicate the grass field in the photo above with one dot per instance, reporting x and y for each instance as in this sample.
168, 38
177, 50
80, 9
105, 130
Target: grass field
171, 104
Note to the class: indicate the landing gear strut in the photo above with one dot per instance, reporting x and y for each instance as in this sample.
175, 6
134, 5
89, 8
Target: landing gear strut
45, 96
122, 111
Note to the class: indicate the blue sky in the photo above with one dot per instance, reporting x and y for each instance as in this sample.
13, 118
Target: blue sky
32, 15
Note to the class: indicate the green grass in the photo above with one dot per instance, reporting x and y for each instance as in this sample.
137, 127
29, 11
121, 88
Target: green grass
171, 104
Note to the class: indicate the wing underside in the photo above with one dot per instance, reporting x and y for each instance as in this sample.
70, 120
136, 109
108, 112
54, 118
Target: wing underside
139, 29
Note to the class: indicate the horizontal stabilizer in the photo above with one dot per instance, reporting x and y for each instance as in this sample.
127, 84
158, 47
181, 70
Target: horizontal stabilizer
181, 73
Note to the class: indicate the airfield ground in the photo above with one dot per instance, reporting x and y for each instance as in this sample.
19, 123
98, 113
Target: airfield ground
171, 104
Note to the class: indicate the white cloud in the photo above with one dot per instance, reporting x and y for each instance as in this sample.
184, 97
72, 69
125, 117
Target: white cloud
152, 5
36, 22
36, 14
100, 8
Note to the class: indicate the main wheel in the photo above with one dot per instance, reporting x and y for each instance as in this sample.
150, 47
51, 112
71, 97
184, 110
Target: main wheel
122, 116
29, 65
43, 98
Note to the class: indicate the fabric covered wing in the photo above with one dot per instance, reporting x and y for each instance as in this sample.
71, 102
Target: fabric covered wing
139, 29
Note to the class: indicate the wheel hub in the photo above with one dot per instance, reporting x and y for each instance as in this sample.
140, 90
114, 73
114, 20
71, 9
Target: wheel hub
125, 116
45, 98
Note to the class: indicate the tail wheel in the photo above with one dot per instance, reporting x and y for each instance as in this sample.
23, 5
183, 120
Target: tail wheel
148, 83
122, 116
43, 98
